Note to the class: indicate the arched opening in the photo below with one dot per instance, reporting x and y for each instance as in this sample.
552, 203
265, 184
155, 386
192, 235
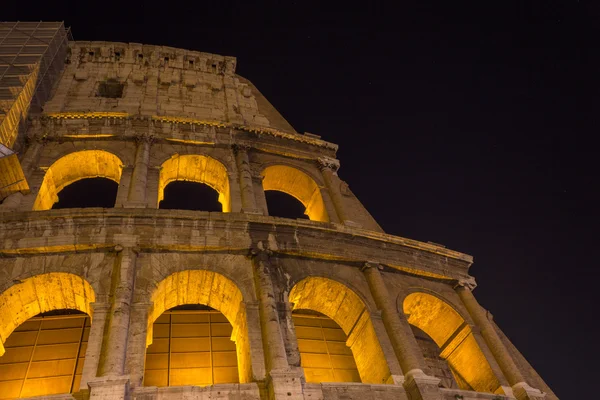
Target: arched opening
44, 323
299, 185
453, 336
191, 345
324, 354
348, 311
436, 365
199, 169
88, 192
283, 205
201, 332
45, 355
181, 195
74, 167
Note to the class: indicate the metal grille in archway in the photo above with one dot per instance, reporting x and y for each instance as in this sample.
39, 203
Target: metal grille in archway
324, 354
44, 356
191, 347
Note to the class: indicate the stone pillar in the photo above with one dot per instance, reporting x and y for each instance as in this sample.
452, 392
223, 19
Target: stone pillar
245, 179
137, 188
112, 383
329, 167
124, 185
136, 344
115, 349
521, 389
419, 385
257, 354
289, 332
259, 191
94, 346
152, 187
282, 381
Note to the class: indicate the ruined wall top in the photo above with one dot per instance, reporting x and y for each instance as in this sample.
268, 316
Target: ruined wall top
161, 81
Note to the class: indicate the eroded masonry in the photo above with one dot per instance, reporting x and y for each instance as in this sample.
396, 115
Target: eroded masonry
138, 292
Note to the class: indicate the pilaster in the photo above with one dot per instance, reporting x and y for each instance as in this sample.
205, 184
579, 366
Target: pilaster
245, 179
521, 389
94, 345
281, 381
137, 189
329, 167
419, 385
115, 348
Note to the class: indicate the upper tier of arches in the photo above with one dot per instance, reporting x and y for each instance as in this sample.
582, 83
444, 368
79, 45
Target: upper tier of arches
196, 168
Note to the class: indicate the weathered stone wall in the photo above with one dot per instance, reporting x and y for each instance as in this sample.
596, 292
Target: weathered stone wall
191, 107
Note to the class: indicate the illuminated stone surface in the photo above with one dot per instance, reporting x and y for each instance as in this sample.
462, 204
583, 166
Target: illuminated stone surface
185, 115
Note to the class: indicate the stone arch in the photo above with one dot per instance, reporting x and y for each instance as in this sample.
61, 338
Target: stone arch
196, 168
298, 184
73, 167
454, 337
213, 290
40, 294
349, 311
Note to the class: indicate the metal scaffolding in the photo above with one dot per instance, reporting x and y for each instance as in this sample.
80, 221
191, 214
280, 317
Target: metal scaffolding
32, 56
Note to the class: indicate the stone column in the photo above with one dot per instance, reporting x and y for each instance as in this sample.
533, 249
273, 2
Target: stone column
282, 381
259, 191
329, 167
115, 350
124, 185
521, 389
289, 332
136, 345
139, 177
94, 346
417, 383
112, 382
245, 178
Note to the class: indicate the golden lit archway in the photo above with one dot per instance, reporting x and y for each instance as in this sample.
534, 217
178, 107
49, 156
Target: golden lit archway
213, 290
343, 306
40, 294
455, 339
73, 167
299, 185
196, 168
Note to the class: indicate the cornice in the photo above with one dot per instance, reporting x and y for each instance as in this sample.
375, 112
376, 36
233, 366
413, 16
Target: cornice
315, 240
265, 131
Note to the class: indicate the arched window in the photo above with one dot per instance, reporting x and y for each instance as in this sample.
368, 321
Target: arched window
342, 307
283, 205
73, 168
88, 192
44, 323
324, 354
45, 355
296, 183
197, 332
182, 195
194, 168
191, 345
453, 336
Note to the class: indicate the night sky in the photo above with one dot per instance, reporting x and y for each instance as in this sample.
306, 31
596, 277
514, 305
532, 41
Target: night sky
463, 124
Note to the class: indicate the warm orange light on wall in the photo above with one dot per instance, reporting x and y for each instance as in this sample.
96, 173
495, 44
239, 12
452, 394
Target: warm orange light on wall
298, 184
342, 305
213, 290
39, 294
196, 168
455, 339
73, 167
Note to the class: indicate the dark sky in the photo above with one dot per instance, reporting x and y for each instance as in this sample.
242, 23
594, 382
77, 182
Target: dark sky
465, 124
